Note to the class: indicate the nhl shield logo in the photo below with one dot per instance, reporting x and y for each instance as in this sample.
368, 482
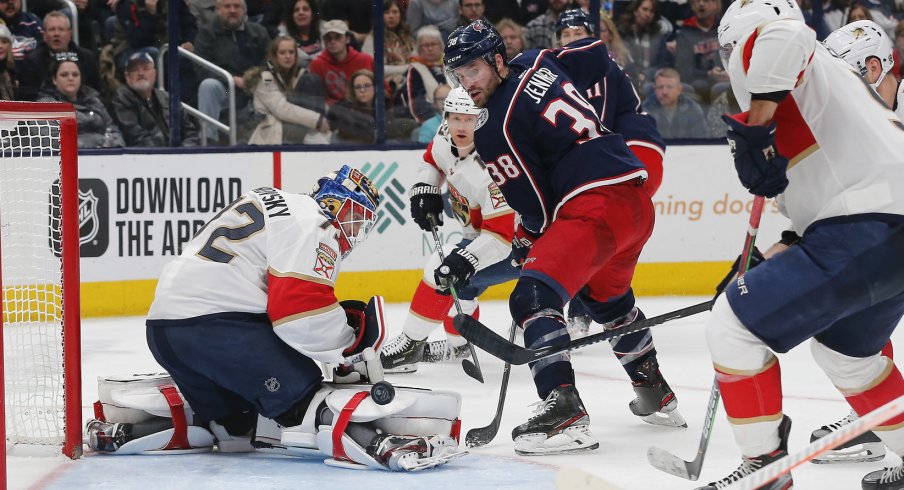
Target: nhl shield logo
272, 385
88, 223
482, 118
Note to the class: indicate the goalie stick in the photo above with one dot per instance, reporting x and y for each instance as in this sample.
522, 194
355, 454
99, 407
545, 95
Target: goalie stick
660, 458
482, 436
820, 446
472, 369
488, 340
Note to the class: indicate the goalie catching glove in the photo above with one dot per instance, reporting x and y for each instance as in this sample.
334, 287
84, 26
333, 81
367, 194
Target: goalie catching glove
760, 168
456, 270
426, 200
366, 319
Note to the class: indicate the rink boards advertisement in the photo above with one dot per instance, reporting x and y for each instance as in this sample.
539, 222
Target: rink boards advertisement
137, 211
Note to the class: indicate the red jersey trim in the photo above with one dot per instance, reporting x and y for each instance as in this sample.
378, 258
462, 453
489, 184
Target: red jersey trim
618, 179
503, 226
290, 298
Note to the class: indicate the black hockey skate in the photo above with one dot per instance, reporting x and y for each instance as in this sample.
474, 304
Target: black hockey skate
412, 453
749, 465
887, 479
863, 448
656, 403
402, 354
106, 436
560, 425
442, 350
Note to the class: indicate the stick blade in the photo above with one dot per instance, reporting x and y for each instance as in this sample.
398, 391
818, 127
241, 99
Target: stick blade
481, 436
472, 370
667, 462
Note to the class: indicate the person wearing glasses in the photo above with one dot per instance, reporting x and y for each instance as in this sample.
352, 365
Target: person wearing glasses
353, 117
469, 11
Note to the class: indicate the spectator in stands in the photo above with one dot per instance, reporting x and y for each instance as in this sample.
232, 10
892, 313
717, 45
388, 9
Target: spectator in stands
443, 14
144, 26
541, 32
427, 131
530, 10
677, 115
858, 12
25, 27
426, 73
353, 117
697, 50
496, 10
7, 65
272, 86
142, 112
338, 61
57, 39
898, 53
357, 14
205, 11
96, 128
644, 33
469, 11
398, 45
302, 23
513, 36
609, 35
234, 44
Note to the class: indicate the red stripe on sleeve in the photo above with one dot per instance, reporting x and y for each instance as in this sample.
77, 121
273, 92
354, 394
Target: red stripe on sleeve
651, 159
503, 226
428, 156
289, 296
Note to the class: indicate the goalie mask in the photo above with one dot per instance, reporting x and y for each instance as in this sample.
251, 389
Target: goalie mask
859, 41
350, 199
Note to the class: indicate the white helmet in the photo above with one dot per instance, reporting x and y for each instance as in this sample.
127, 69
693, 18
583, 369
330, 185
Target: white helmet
459, 102
858, 41
745, 16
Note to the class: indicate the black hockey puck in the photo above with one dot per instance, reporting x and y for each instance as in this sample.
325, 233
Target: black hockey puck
382, 392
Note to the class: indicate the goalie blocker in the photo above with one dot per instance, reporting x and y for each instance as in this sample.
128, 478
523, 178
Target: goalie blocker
419, 428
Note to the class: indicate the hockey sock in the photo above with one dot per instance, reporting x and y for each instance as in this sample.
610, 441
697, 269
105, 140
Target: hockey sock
537, 308
888, 351
452, 336
428, 309
632, 350
753, 403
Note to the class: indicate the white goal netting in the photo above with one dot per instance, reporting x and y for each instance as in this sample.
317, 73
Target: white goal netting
31, 276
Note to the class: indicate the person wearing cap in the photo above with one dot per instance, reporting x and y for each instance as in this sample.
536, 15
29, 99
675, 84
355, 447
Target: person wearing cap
25, 27
7, 65
57, 39
338, 61
234, 44
142, 111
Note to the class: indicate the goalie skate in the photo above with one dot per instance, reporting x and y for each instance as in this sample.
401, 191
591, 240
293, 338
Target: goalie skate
442, 350
406, 453
861, 449
656, 402
560, 425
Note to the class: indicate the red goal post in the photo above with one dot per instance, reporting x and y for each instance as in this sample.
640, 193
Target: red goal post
39, 277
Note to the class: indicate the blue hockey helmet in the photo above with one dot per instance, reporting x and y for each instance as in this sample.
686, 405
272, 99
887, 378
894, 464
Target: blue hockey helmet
574, 18
350, 200
477, 40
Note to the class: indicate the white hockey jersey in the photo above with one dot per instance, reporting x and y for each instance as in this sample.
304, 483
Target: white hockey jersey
899, 101
269, 252
842, 142
477, 202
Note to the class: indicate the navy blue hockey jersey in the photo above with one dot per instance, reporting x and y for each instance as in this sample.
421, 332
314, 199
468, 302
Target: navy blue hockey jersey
542, 141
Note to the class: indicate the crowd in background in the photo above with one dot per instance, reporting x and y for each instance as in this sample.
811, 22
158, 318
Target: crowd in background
302, 71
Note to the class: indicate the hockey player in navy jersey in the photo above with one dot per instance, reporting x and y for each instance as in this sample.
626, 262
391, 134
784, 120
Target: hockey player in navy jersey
584, 215
242, 319
816, 137
619, 108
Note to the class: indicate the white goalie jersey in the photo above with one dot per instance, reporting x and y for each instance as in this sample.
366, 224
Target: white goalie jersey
829, 175
269, 252
477, 202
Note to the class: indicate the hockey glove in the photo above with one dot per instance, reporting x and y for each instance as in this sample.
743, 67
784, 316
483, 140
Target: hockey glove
426, 200
366, 319
756, 258
521, 244
761, 170
456, 270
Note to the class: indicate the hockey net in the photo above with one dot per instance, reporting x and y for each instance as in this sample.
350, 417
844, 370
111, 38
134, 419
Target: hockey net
39, 275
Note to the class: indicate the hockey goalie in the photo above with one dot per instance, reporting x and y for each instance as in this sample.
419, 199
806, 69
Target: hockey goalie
242, 321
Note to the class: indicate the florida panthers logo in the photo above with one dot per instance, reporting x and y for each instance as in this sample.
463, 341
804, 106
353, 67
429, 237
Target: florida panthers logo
858, 32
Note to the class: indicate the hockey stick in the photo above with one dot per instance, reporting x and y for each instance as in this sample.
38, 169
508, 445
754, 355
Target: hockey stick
482, 436
472, 369
488, 340
660, 458
820, 446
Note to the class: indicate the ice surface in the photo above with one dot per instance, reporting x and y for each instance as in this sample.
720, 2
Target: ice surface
117, 345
